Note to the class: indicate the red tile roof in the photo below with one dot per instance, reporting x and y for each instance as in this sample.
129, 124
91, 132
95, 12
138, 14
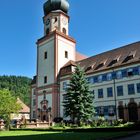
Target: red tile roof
25, 108
80, 56
109, 56
114, 58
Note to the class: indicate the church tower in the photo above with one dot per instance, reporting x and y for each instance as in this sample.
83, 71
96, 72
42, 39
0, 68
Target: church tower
54, 50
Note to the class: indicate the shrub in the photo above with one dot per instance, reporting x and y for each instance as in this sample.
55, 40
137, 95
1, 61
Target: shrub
58, 119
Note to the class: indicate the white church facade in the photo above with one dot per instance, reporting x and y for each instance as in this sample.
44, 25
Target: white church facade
114, 76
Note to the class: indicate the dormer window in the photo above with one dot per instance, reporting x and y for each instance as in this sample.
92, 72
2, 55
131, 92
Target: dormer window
130, 56
101, 64
89, 67
114, 61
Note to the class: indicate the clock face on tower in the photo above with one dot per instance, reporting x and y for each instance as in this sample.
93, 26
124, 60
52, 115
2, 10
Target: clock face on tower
47, 22
64, 20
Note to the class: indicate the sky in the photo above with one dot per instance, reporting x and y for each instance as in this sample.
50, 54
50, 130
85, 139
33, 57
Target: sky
96, 25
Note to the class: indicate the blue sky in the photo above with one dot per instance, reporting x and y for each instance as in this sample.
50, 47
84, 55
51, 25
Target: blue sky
97, 26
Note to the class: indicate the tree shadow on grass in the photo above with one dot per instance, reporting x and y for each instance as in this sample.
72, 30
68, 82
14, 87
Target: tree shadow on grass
66, 136
57, 136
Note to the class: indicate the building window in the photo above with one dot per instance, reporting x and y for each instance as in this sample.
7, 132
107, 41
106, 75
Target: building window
95, 79
101, 111
91, 80
34, 92
45, 55
93, 93
45, 79
104, 77
55, 19
119, 75
109, 92
100, 77
34, 102
66, 54
111, 111
138, 87
109, 76
64, 30
139, 70
119, 90
121, 112
64, 111
130, 72
64, 97
64, 86
131, 89
125, 73
100, 93
34, 114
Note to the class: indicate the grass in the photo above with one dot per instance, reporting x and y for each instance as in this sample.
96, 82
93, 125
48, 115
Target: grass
38, 135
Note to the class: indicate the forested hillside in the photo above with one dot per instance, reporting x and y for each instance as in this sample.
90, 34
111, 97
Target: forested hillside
18, 85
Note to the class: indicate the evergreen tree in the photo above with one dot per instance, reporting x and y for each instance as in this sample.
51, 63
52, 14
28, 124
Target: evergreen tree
78, 101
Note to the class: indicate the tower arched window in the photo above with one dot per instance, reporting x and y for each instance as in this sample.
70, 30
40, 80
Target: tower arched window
47, 31
64, 31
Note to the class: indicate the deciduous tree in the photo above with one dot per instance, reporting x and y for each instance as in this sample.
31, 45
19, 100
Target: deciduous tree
8, 105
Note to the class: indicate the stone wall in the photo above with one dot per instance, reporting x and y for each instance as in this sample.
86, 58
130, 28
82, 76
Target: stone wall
33, 124
1, 125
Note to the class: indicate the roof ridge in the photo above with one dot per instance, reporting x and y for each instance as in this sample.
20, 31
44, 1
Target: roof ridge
113, 50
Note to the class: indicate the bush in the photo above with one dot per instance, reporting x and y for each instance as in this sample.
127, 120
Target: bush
58, 119
57, 125
118, 122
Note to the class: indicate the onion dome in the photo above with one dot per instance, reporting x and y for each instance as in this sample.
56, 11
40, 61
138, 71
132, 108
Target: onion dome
52, 5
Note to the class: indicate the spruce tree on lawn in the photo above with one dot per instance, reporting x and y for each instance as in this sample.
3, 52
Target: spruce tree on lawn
78, 100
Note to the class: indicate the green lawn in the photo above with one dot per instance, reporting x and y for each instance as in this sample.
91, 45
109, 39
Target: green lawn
36, 135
